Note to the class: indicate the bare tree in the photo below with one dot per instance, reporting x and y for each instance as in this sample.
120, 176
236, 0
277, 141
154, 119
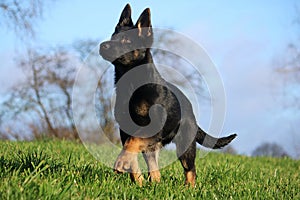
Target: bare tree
288, 69
42, 103
269, 149
88, 50
45, 94
178, 64
21, 16
229, 150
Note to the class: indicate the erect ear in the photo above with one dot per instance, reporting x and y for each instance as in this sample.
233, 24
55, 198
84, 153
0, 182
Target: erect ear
125, 19
144, 24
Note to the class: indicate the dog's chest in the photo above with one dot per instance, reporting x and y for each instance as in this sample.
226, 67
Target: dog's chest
142, 108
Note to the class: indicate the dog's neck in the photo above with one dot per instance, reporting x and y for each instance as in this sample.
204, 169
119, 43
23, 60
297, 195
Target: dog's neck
150, 69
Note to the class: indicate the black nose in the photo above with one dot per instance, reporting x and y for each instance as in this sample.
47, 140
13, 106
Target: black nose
105, 46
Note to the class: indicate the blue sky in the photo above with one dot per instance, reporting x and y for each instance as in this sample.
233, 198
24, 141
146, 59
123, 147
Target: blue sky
243, 38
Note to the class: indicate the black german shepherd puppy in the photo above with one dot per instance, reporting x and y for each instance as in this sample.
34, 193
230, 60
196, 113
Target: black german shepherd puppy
128, 49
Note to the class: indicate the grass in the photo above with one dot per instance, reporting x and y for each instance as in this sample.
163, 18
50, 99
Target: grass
66, 170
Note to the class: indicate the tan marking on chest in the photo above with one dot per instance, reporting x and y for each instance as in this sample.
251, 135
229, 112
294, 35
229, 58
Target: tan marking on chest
136, 145
136, 54
142, 109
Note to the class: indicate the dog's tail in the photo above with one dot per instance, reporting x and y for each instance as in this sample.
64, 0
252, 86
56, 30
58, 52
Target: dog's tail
211, 142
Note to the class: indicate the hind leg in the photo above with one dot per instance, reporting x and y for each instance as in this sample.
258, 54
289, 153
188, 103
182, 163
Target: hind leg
187, 160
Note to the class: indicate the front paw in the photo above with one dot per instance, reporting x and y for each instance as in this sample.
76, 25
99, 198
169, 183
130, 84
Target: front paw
126, 162
122, 166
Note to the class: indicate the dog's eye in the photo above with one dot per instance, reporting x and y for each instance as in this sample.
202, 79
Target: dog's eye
125, 41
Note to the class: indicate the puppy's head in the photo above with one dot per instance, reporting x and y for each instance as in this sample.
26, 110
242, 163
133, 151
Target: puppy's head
129, 42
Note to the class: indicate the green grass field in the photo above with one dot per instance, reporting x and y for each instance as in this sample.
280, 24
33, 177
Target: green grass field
66, 170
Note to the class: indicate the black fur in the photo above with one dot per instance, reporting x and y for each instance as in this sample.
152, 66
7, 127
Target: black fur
127, 50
